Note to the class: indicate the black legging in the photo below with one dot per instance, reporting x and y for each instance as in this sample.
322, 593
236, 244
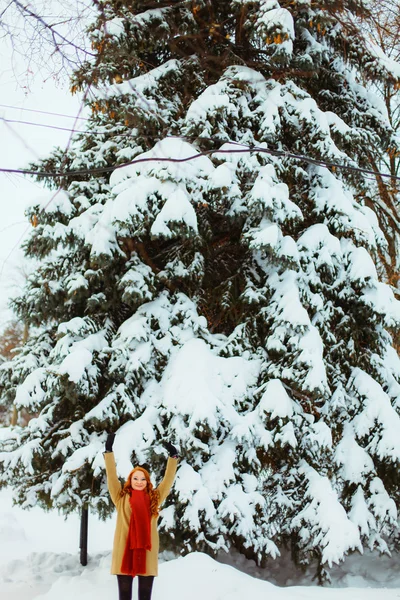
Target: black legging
125, 587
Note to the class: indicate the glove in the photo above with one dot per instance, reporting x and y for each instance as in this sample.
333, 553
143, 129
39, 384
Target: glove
171, 449
110, 442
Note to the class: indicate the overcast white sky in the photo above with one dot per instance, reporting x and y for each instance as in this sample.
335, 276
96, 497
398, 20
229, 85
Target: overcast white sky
20, 144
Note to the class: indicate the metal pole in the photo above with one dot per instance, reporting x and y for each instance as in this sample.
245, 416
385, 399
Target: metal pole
84, 535
14, 416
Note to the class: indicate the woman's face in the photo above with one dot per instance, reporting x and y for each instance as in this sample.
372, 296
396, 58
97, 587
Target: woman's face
138, 481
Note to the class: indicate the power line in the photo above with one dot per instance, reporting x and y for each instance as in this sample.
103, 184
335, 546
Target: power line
241, 150
42, 112
7, 227
85, 95
81, 131
45, 125
22, 171
76, 118
22, 140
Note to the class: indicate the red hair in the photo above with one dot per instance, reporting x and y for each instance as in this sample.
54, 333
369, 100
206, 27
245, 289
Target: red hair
154, 495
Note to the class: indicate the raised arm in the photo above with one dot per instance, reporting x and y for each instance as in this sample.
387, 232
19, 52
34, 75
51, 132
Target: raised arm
113, 483
170, 471
169, 476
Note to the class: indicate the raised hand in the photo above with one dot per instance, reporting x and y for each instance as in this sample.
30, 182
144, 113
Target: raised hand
110, 442
171, 449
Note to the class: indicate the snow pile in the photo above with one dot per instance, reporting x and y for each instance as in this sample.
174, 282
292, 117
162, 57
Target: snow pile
196, 576
39, 561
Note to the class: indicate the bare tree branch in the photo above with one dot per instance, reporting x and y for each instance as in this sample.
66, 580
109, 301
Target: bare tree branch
47, 37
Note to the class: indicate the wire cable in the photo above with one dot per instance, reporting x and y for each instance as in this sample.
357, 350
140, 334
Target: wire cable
80, 131
45, 125
242, 150
42, 112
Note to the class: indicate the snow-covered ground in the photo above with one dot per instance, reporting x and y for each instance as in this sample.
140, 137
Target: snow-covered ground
39, 560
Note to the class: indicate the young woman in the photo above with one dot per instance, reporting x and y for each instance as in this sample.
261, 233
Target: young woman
135, 550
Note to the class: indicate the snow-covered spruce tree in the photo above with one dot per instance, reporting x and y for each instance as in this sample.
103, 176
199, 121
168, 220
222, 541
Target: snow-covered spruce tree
229, 302
384, 30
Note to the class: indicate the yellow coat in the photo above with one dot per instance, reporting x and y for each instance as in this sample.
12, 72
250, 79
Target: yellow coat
124, 514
